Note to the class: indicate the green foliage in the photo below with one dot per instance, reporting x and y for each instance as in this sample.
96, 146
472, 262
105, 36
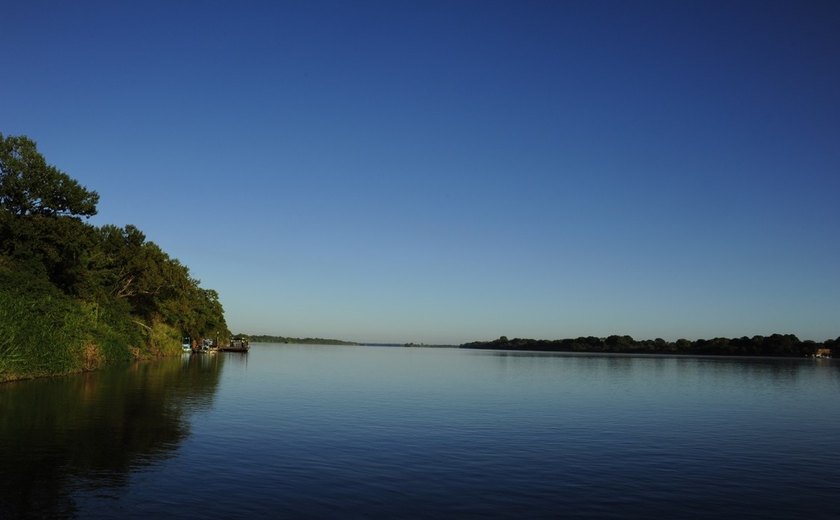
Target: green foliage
162, 340
158, 288
44, 331
30, 186
73, 296
298, 341
786, 345
53, 247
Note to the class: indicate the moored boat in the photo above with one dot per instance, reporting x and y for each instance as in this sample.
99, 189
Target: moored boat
237, 344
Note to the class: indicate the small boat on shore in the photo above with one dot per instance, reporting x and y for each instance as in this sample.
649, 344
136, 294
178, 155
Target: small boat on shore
186, 344
208, 346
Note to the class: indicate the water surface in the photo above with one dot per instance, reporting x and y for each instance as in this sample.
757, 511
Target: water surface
361, 432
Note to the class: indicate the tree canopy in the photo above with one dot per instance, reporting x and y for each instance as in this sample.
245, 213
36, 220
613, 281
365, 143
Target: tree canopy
774, 345
119, 285
30, 186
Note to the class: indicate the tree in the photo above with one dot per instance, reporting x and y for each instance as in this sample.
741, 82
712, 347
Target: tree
30, 186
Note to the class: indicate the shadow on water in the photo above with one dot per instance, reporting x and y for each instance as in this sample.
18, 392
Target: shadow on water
93, 429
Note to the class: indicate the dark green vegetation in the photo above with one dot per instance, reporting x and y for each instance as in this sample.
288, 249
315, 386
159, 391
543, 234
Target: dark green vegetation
74, 296
298, 341
775, 345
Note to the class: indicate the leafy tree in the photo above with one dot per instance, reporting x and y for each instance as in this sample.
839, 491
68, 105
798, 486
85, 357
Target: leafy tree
54, 248
122, 295
619, 343
30, 186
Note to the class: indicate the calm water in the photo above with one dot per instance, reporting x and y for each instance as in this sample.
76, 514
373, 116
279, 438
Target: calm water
365, 432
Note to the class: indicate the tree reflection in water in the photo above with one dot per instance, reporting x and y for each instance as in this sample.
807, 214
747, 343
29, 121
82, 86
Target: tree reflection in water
93, 429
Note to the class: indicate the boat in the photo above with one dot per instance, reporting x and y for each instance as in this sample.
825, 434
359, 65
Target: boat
237, 344
186, 344
208, 346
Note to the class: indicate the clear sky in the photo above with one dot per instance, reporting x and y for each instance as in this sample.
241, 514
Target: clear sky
447, 171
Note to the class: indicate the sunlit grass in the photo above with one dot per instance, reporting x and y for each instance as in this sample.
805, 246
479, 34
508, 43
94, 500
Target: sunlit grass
48, 333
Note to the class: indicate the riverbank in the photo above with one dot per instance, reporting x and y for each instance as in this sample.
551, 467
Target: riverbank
76, 297
263, 338
775, 345
47, 333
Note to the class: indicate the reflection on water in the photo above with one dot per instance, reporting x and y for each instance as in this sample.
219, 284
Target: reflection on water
778, 371
291, 431
92, 430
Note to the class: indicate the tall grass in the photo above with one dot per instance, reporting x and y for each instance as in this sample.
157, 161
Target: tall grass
160, 340
44, 332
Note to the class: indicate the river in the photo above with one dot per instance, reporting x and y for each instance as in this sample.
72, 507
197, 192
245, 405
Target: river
293, 431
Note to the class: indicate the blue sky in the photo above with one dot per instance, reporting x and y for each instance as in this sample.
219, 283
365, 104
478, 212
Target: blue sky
457, 170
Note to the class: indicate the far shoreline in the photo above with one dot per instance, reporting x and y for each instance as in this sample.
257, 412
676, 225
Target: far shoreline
773, 346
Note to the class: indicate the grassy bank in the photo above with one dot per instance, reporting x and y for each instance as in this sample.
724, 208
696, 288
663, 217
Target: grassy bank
47, 333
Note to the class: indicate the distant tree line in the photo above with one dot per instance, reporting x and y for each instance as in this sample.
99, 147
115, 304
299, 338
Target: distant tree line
74, 296
787, 345
298, 341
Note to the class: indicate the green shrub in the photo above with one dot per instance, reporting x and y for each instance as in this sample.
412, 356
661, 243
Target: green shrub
46, 332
